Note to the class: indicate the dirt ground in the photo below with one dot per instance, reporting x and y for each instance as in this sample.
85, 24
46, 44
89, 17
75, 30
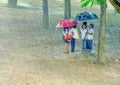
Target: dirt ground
28, 58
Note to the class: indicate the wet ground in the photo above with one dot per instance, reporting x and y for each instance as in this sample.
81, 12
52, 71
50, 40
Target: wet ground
29, 57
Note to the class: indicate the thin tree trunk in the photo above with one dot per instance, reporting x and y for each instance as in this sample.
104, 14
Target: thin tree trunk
67, 9
45, 14
12, 3
101, 39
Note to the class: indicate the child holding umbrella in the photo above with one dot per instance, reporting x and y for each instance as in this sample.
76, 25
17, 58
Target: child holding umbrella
66, 24
66, 38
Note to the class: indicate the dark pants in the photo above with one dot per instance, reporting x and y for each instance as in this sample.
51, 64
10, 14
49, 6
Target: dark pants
89, 44
73, 45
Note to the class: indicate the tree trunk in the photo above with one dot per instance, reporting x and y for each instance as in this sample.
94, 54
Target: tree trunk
45, 14
116, 4
12, 3
67, 9
101, 38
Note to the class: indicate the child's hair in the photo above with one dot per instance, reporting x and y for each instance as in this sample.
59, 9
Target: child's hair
84, 23
74, 26
92, 25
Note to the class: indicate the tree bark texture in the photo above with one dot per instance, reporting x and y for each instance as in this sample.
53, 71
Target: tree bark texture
67, 9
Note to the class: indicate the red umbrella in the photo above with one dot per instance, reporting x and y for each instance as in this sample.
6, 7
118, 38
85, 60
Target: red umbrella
66, 23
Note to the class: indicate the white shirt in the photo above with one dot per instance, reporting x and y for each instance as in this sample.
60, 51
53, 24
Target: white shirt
90, 34
83, 33
75, 31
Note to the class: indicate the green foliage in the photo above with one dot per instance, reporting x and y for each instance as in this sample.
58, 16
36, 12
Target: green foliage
92, 2
102, 1
85, 3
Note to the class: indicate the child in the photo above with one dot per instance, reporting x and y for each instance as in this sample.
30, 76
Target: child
66, 38
83, 31
74, 34
90, 34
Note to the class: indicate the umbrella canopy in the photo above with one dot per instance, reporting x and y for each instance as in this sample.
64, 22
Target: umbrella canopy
66, 23
86, 16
